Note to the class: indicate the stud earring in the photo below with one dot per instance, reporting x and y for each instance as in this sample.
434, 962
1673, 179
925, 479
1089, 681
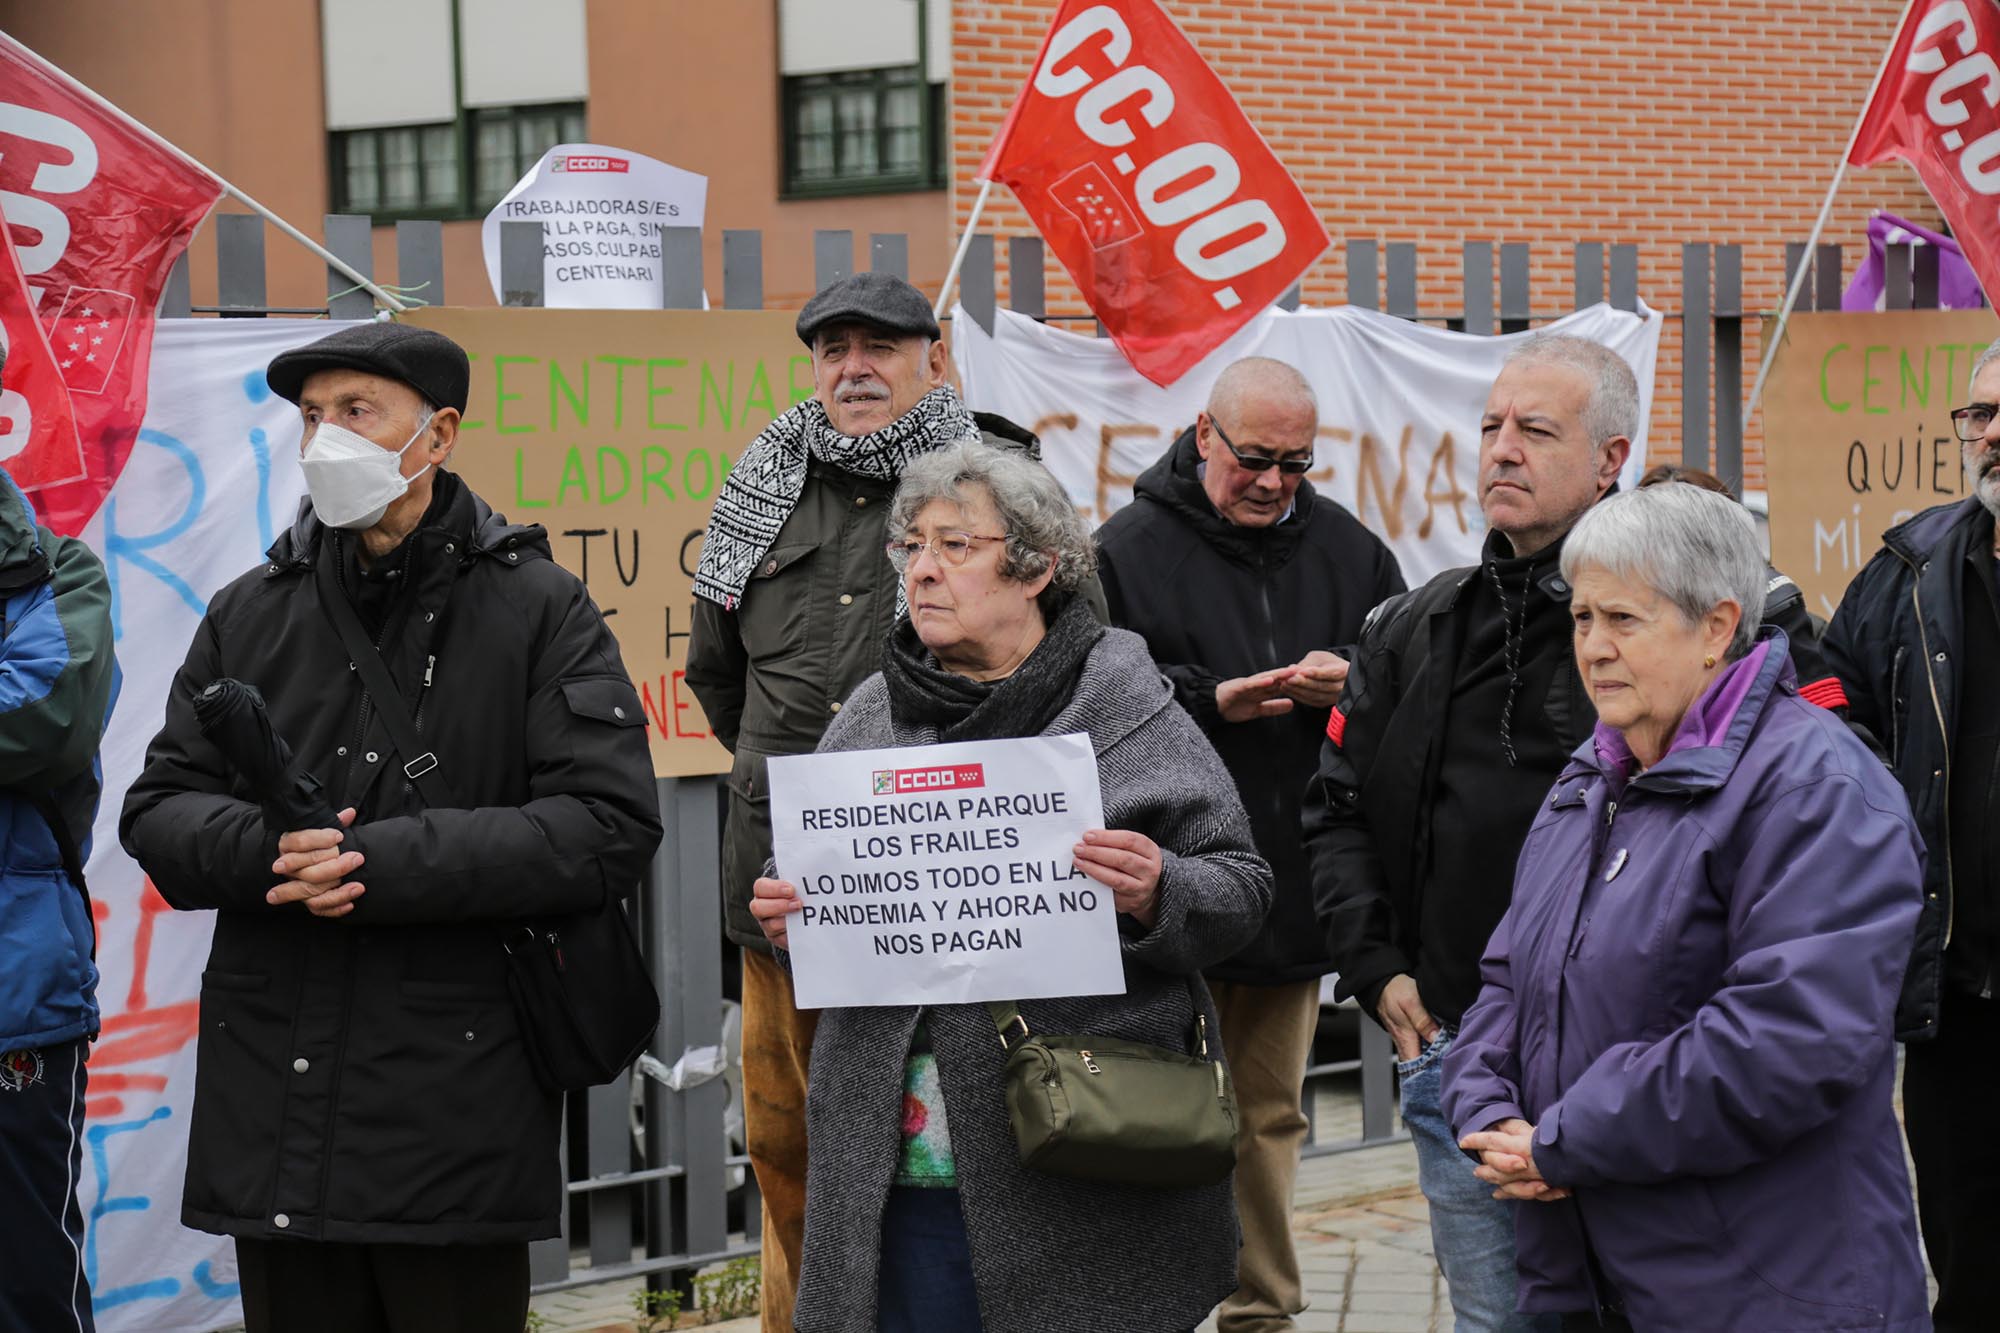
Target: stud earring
1708, 661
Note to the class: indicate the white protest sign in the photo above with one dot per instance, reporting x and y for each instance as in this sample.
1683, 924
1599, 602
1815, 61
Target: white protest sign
601, 211
944, 874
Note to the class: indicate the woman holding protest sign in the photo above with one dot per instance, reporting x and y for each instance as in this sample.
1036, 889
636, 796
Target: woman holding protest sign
919, 1212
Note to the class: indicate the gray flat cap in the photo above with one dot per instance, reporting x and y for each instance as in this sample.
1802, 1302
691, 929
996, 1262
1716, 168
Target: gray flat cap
880, 299
428, 362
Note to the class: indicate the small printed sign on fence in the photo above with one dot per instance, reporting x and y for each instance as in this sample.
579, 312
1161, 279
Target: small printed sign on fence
944, 874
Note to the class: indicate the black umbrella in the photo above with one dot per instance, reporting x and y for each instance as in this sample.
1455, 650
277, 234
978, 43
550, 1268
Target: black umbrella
232, 715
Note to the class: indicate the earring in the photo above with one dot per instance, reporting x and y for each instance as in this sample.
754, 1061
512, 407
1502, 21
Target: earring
1708, 661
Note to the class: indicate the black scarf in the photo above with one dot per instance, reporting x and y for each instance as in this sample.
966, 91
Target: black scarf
921, 691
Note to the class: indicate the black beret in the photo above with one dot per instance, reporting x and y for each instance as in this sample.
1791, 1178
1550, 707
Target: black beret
881, 299
428, 362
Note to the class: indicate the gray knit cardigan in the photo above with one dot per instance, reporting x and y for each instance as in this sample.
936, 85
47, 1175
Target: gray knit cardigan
1049, 1255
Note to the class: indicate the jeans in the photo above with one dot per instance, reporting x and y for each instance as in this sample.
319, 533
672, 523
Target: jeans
924, 1284
1472, 1233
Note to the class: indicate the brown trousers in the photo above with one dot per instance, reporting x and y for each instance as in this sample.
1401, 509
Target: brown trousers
1267, 1034
777, 1052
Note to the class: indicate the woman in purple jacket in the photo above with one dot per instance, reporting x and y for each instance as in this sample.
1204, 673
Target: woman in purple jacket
1681, 1061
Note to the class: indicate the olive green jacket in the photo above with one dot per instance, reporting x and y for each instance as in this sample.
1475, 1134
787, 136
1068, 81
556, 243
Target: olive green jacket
772, 674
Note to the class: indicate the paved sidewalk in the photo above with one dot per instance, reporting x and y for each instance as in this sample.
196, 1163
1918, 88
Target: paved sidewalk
1364, 1247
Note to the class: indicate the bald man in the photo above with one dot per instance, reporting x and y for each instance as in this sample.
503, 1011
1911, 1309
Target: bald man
1245, 583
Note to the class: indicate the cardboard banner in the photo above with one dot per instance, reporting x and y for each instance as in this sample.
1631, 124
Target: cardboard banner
1399, 409
944, 874
1857, 435
614, 429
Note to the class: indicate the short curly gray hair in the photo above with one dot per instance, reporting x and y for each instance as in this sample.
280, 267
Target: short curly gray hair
1039, 521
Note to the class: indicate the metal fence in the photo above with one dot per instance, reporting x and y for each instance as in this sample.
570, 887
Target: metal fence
652, 1170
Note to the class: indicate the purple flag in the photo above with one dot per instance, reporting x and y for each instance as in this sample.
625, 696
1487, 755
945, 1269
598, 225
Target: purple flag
1958, 289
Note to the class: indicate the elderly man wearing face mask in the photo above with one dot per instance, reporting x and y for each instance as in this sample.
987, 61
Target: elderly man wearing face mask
367, 1122
793, 601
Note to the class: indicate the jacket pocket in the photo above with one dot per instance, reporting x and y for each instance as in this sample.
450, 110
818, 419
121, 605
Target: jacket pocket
605, 699
774, 616
242, 1058
45, 943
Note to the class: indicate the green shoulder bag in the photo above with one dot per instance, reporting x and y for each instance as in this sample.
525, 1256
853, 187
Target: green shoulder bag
1124, 1112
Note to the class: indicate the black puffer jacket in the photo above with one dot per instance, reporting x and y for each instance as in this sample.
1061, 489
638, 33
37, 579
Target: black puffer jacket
1896, 643
363, 1079
1215, 601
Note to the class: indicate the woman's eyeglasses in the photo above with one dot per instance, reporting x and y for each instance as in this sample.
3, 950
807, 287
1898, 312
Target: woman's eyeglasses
952, 549
1291, 467
1971, 422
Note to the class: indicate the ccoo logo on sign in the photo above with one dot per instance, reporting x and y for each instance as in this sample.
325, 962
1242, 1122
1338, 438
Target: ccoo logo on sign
582, 162
949, 777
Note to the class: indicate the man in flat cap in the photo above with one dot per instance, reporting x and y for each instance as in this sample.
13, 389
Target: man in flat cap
367, 1122
794, 597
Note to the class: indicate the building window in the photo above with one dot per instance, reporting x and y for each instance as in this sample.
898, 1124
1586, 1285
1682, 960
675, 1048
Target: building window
458, 169
858, 131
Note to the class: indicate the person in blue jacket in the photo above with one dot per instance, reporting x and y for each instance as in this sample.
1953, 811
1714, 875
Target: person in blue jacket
58, 679
1682, 1059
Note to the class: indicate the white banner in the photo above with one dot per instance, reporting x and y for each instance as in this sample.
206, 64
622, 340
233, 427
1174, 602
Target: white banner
1399, 409
213, 478
944, 874
601, 211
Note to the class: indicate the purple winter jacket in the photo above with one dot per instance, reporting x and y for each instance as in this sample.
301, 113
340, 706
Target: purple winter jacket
1692, 1000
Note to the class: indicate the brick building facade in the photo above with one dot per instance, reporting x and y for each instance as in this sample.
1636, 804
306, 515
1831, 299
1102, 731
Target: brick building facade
1544, 121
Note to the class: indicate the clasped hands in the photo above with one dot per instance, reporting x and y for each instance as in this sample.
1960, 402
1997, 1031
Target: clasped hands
1315, 680
1507, 1160
315, 870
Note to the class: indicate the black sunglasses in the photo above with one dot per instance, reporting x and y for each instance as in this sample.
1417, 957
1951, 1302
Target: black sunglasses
1291, 467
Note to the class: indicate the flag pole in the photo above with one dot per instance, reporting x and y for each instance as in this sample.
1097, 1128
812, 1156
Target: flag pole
964, 244
333, 261
1825, 211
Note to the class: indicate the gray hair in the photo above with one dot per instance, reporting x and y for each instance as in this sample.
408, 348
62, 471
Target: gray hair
1039, 521
1695, 548
1613, 408
1986, 358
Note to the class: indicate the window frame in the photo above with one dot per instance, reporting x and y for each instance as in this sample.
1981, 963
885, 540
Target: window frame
465, 207
931, 171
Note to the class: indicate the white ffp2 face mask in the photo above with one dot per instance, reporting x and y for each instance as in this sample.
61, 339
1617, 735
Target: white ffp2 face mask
352, 479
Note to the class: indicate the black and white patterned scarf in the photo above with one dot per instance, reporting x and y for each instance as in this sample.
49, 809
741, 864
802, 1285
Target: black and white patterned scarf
766, 483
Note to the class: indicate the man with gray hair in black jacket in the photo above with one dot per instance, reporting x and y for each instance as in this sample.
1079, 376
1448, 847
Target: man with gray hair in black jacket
1243, 580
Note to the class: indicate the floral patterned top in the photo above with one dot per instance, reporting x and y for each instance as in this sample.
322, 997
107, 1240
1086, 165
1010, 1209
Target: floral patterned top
926, 1160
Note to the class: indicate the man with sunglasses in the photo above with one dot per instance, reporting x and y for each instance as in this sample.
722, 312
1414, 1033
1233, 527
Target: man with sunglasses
1243, 581
1915, 642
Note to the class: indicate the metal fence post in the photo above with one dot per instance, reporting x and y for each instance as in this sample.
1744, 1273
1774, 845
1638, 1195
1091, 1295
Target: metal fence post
522, 271
1729, 366
1589, 274
420, 260
1402, 286
889, 252
833, 257
239, 265
680, 268
1695, 308
743, 270
1514, 306
1478, 305
975, 281
1364, 278
351, 237
1027, 294
1625, 277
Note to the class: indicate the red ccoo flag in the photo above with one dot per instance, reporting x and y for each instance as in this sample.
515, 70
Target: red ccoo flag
1935, 107
1154, 189
99, 209
38, 443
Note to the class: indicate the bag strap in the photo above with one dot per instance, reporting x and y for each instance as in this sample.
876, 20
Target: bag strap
420, 764
1007, 1016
